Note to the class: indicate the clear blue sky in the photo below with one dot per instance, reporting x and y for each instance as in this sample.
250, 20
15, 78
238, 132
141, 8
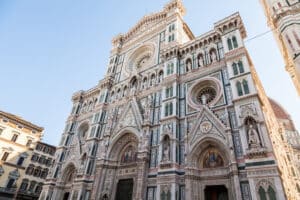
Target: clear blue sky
50, 49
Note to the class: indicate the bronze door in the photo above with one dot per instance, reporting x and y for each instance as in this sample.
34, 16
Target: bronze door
218, 192
124, 189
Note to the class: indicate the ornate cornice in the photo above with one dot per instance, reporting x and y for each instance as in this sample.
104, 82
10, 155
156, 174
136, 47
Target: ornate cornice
21, 121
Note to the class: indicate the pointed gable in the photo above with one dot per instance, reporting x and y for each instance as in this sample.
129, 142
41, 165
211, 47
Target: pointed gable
131, 117
207, 124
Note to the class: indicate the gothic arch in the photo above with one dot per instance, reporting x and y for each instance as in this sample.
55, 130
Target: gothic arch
69, 173
204, 144
83, 129
121, 140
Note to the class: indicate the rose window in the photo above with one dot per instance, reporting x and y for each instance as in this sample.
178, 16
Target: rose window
206, 95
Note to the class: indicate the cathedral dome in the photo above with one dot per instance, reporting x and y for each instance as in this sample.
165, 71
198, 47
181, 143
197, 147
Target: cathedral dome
279, 111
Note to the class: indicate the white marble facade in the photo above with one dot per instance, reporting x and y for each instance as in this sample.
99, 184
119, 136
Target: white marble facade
176, 117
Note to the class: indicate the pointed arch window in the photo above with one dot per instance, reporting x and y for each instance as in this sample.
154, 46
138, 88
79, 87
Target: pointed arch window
246, 87
235, 69
239, 88
262, 193
241, 67
271, 193
229, 44
234, 42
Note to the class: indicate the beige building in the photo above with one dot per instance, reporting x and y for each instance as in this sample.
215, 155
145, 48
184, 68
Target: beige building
25, 161
283, 18
17, 141
41, 161
176, 117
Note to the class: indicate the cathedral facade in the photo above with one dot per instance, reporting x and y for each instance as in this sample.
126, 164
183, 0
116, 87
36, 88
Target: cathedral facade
283, 18
176, 117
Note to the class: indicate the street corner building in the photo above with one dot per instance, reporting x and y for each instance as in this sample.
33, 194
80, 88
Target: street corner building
25, 160
176, 117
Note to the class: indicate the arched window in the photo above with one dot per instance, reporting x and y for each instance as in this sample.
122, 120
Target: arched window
262, 193
119, 93
170, 68
271, 193
246, 87
234, 41
112, 95
235, 69
145, 83
239, 88
160, 76
125, 91
241, 67
229, 44
152, 81
24, 185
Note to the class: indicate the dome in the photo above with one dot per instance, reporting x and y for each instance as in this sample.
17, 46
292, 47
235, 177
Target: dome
279, 111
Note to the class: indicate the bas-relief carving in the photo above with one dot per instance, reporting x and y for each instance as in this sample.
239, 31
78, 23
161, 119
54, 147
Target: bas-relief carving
247, 110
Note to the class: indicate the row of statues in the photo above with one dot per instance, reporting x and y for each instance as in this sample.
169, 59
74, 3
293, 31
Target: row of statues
200, 60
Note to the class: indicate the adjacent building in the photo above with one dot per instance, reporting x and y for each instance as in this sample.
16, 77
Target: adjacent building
41, 161
19, 143
175, 117
283, 18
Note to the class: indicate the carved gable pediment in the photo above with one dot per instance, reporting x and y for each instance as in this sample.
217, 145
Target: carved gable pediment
131, 117
207, 124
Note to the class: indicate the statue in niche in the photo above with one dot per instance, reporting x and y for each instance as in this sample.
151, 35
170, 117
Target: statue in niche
253, 139
212, 159
200, 61
213, 56
166, 149
252, 133
188, 66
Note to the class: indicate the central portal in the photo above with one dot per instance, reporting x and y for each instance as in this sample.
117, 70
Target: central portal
216, 192
124, 189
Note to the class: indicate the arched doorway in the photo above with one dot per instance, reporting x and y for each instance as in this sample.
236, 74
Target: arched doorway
210, 172
68, 176
121, 180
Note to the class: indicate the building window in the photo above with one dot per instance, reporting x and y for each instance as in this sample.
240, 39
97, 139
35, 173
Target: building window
5, 156
32, 185
241, 67
171, 37
170, 68
14, 137
24, 185
29, 142
239, 88
169, 92
168, 109
235, 69
242, 88
246, 87
229, 44
171, 27
29, 169
20, 161
10, 183
151, 193
234, 42
39, 188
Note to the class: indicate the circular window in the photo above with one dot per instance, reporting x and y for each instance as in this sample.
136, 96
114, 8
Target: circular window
206, 95
140, 58
204, 92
